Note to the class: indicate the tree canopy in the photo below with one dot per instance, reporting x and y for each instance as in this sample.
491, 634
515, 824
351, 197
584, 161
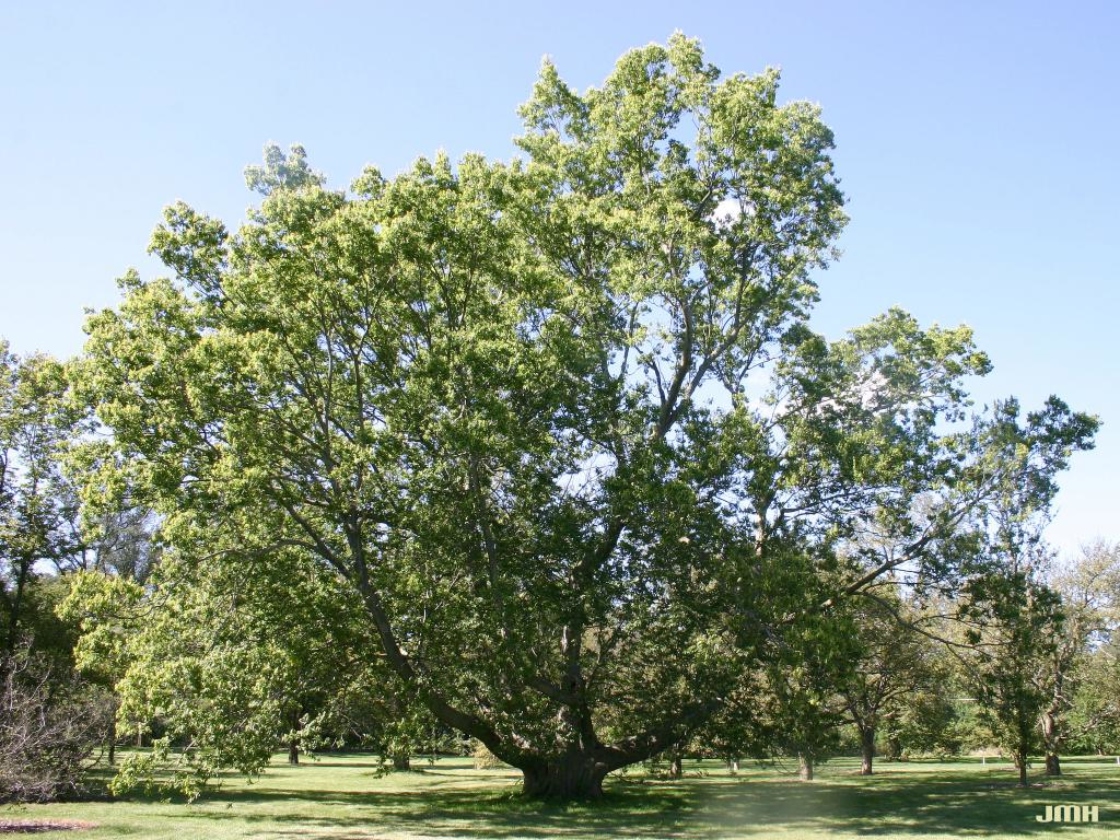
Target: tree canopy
559, 424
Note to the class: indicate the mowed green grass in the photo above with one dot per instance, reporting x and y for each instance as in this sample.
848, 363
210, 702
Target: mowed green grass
343, 798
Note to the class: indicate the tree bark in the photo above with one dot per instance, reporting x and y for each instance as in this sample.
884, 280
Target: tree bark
1053, 765
805, 767
1052, 741
574, 776
867, 749
402, 762
293, 752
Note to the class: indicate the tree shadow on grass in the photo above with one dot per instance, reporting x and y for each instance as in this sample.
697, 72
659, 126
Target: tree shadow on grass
479, 813
898, 807
886, 805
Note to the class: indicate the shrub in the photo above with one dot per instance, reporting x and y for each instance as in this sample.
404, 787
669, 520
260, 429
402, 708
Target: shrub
51, 725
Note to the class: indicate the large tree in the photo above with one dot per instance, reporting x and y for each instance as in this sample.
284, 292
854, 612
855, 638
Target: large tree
521, 410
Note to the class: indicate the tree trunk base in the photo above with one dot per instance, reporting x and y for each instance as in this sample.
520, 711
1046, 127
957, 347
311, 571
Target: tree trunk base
805, 768
1053, 765
565, 779
867, 749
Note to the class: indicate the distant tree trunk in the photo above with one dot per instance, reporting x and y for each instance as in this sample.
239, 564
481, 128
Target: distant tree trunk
1051, 738
733, 765
805, 767
867, 749
293, 743
1020, 757
112, 739
14, 604
401, 762
894, 747
1022, 752
676, 769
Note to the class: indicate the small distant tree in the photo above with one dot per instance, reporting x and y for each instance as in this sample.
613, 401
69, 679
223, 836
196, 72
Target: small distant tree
1085, 707
1016, 619
806, 716
896, 670
1089, 587
1093, 718
932, 720
809, 667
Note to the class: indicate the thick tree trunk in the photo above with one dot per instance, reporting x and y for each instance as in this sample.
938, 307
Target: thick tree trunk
574, 776
867, 749
402, 762
1052, 740
293, 752
579, 774
1053, 765
571, 778
805, 767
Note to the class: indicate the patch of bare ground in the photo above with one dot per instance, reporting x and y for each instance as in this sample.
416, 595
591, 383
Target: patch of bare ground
41, 826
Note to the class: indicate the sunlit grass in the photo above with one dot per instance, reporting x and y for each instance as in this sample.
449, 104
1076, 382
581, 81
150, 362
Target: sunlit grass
344, 797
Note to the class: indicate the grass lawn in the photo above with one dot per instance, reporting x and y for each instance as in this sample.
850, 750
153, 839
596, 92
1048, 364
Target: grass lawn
342, 798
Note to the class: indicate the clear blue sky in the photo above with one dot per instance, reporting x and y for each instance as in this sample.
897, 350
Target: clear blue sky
977, 143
